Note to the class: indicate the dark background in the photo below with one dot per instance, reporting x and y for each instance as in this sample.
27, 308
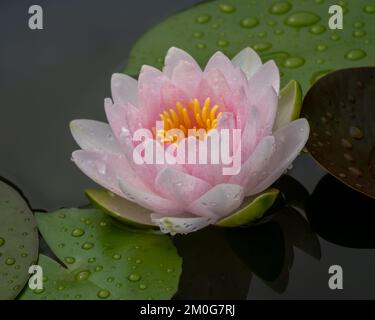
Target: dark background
49, 77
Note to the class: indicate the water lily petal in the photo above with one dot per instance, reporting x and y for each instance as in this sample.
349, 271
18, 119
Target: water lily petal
148, 199
252, 168
289, 141
248, 61
186, 76
94, 135
124, 89
180, 225
218, 201
180, 186
172, 59
267, 75
267, 110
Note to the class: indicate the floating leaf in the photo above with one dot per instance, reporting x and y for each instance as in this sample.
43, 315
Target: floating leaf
18, 241
252, 209
293, 33
104, 259
341, 113
127, 212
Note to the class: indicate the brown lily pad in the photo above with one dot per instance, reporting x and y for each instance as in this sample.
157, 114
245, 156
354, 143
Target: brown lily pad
340, 108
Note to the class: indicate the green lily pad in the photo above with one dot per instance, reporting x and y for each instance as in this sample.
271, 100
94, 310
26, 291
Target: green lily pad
290, 103
252, 209
293, 33
104, 259
340, 110
123, 210
18, 241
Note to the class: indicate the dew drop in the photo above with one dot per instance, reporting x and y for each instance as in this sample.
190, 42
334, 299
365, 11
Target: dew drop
10, 261
226, 8
198, 34
249, 23
24, 255
201, 45
98, 268
91, 260
335, 37
110, 279
369, 9
281, 7
356, 54
294, 62
203, 19
317, 29
321, 47
142, 286
78, 232
69, 260
38, 291
222, 43
134, 277
359, 33
138, 261
302, 19
83, 275
346, 144
102, 223
356, 133
342, 175
262, 46
116, 256
2, 242
358, 25
87, 245
103, 294
348, 157
61, 215
355, 171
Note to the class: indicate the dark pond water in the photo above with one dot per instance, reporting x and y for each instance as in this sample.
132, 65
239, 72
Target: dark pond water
61, 73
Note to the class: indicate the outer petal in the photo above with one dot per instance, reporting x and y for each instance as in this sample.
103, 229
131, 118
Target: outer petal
267, 110
94, 135
148, 199
179, 186
218, 202
124, 89
172, 59
267, 75
290, 140
181, 225
104, 168
252, 168
248, 61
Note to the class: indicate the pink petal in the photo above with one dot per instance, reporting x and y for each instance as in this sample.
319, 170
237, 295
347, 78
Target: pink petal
186, 76
124, 89
148, 199
179, 186
252, 168
94, 135
267, 110
267, 75
248, 61
172, 59
218, 202
289, 141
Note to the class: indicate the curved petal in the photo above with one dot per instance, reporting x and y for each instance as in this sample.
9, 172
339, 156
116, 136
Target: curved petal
289, 141
220, 62
172, 59
251, 169
104, 168
267, 75
94, 135
179, 186
186, 76
218, 202
124, 89
248, 61
180, 225
267, 110
148, 199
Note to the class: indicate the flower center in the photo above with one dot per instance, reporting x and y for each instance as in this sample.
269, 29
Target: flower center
192, 117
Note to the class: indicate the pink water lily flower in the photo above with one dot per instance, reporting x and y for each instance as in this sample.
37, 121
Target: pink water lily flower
241, 93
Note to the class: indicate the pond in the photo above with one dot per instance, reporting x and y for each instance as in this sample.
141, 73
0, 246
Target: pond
62, 72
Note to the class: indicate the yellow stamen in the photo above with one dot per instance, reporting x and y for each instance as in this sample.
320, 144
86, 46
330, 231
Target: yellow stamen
186, 118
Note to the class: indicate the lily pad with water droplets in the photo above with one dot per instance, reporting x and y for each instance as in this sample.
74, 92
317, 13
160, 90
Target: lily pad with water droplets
120, 208
104, 259
294, 33
341, 113
18, 241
